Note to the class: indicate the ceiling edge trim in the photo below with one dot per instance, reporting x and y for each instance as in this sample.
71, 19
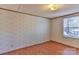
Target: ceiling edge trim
24, 13
65, 15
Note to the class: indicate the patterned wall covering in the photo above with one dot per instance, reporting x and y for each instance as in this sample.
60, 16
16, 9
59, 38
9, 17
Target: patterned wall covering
19, 30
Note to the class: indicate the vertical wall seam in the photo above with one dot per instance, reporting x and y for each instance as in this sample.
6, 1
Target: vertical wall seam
50, 29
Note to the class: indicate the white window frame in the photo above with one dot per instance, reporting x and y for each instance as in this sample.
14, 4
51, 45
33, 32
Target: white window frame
68, 29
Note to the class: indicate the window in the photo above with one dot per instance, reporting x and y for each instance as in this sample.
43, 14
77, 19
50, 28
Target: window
71, 27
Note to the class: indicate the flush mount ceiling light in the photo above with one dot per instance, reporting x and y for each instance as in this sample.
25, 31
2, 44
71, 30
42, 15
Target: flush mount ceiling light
53, 7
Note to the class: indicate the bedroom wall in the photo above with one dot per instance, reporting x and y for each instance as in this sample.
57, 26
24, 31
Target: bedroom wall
57, 33
20, 30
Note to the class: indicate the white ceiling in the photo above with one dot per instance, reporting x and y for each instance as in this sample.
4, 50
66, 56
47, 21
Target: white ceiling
42, 9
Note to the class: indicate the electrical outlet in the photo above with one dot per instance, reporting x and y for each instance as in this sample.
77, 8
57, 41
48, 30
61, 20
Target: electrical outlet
11, 45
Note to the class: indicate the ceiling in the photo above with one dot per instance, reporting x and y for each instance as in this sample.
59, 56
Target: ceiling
42, 9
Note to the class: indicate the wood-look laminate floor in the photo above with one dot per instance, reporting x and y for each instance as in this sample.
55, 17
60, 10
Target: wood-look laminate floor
47, 48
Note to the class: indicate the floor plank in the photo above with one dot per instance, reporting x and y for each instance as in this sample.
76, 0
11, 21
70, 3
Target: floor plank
47, 48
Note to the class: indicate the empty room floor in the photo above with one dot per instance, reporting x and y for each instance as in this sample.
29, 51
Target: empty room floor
47, 48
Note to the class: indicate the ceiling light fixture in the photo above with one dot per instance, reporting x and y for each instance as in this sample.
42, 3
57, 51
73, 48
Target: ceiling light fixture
53, 7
